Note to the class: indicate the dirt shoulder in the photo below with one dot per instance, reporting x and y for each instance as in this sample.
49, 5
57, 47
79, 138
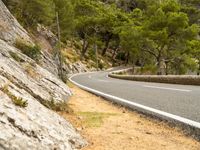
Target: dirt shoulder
109, 127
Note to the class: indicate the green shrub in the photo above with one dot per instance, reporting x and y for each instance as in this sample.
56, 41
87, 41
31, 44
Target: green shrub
31, 51
15, 57
101, 66
61, 106
148, 69
77, 45
17, 101
92, 55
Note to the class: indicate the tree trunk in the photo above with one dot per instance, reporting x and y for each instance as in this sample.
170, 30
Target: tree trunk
166, 69
159, 65
127, 59
133, 70
84, 48
114, 53
106, 47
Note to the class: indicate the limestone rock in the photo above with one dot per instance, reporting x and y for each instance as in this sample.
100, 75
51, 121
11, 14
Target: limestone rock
10, 29
34, 127
29, 76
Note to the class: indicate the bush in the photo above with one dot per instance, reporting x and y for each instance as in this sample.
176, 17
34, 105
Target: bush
15, 57
32, 51
61, 106
101, 66
148, 69
77, 45
17, 101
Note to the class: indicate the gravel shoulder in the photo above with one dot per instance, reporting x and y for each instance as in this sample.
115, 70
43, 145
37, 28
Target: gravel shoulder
109, 127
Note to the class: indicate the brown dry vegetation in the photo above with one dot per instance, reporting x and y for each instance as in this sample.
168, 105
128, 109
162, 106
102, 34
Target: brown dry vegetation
109, 127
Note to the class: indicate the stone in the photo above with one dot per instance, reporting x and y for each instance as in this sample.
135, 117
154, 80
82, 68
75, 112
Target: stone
35, 126
10, 29
22, 128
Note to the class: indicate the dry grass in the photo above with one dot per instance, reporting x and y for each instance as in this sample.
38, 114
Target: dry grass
94, 119
110, 127
71, 55
29, 69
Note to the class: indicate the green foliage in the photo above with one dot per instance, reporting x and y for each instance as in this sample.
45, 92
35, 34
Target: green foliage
29, 50
15, 56
101, 65
57, 106
17, 101
148, 69
32, 12
65, 10
150, 32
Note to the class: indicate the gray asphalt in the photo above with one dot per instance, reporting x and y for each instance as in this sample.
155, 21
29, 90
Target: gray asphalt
180, 100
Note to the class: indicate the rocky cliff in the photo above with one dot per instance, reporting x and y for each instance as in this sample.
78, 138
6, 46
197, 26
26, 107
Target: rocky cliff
10, 29
27, 91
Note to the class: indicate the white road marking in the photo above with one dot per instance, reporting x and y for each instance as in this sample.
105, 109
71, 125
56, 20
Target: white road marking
136, 105
102, 80
165, 88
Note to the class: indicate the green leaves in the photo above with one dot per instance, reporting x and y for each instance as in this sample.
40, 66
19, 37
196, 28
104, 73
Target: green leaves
65, 10
177, 21
149, 31
170, 6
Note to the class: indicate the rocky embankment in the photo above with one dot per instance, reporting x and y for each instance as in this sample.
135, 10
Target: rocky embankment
26, 90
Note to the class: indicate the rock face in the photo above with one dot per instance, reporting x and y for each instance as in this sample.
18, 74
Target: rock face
30, 125
31, 77
48, 40
33, 127
10, 29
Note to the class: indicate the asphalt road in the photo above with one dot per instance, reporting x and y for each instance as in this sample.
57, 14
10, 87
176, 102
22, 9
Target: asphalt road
179, 100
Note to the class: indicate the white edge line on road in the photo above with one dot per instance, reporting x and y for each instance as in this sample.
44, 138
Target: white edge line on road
165, 88
159, 112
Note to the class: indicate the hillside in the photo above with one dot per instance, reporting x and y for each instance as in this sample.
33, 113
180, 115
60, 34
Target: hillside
26, 92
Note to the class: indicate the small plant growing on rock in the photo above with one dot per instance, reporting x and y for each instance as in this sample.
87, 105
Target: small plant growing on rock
61, 106
32, 51
30, 70
17, 101
15, 57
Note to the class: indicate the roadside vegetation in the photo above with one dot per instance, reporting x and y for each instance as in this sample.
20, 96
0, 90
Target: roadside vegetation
159, 36
32, 51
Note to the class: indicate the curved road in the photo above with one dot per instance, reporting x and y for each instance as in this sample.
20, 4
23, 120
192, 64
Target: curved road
179, 100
